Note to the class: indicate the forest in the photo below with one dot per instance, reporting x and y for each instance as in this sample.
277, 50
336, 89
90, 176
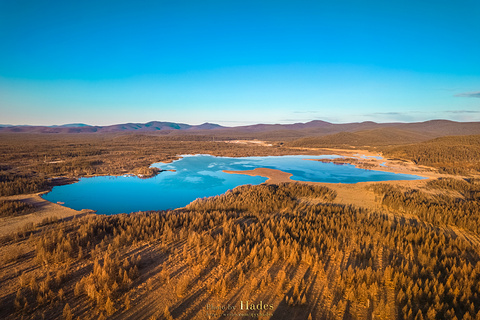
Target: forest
459, 207
293, 246
449, 154
13, 207
453, 154
311, 261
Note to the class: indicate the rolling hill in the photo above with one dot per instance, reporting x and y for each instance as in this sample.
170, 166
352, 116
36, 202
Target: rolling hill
313, 133
372, 137
152, 126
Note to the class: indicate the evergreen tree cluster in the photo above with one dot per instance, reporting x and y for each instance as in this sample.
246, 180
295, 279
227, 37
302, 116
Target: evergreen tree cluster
453, 202
260, 241
14, 208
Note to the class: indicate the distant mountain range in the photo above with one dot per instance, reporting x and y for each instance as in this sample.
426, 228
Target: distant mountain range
85, 128
307, 134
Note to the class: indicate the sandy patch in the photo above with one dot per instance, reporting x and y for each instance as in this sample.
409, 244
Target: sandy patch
274, 176
251, 142
43, 209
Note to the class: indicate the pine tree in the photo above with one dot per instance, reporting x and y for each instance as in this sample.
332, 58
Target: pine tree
61, 294
167, 314
127, 301
78, 289
67, 312
109, 307
419, 315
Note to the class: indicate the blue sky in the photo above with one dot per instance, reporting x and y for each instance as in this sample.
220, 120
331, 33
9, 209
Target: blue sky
238, 62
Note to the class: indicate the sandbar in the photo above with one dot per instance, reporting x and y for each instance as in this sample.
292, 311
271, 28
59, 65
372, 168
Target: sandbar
274, 176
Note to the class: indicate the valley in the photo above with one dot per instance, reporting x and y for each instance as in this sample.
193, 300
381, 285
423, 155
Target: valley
390, 250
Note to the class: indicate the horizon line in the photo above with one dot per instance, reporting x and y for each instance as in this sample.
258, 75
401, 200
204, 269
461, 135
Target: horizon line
81, 124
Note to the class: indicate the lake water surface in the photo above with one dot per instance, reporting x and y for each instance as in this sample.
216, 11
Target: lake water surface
198, 176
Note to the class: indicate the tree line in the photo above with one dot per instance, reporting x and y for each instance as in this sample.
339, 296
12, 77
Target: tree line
454, 154
441, 208
14, 208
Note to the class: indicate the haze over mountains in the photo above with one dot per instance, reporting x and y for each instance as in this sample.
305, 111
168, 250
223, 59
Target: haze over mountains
362, 133
85, 128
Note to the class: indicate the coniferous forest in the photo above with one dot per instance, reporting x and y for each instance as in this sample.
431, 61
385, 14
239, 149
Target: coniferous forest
287, 250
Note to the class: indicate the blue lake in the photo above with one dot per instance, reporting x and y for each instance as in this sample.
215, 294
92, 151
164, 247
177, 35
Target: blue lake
198, 176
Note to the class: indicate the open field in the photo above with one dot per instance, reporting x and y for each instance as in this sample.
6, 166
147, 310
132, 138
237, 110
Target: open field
390, 250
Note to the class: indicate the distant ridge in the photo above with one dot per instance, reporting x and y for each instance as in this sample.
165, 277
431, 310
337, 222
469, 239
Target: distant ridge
370, 137
151, 126
72, 125
316, 132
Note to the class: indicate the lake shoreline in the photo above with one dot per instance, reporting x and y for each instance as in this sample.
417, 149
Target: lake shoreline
349, 193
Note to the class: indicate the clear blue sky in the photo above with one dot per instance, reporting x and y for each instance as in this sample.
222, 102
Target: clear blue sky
238, 62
